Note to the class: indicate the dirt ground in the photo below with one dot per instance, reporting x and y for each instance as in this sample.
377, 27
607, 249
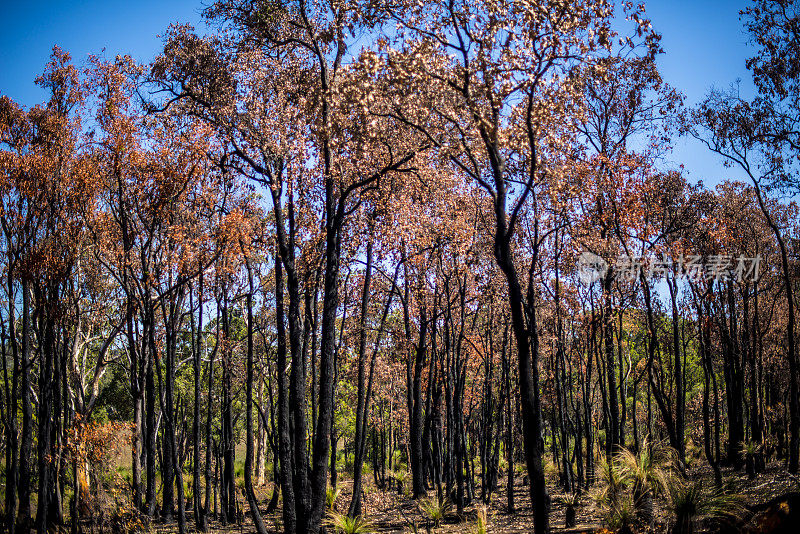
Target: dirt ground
391, 512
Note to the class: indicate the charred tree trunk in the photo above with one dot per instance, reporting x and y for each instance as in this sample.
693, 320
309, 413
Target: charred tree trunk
284, 436
255, 514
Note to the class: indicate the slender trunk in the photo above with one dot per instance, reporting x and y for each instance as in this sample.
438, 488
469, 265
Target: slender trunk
284, 437
12, 466
361, 414
509, 430
526, 335
150, 419
612, 436
417, 474
26, 439
261, 433
255, 514
680, 394
228, 487
794, 402
199, 510
209, 481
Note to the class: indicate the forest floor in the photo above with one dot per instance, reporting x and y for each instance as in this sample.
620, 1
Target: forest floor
391, 512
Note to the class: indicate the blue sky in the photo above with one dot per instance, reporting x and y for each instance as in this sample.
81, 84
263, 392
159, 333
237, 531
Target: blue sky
29, 29
705, 45
704, 42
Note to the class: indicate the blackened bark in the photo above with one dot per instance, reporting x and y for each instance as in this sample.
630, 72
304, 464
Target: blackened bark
680, 394
199, 510
26, 439
704, 331
361, 414
560, 376
10, 420
255, 514
48, 383
228, 484
527, 354
166, 394
209, 480
150, 417
794, 389
505, 363
734, 379
416, 422
612, 436
284, 437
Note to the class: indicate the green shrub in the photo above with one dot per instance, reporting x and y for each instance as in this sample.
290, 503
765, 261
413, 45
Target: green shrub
331, 494
631, 482
434, 509
691, 502
648, 473
344, 524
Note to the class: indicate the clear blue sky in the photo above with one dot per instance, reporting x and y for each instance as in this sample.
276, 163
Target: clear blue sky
29, 29
705, 45
704, 42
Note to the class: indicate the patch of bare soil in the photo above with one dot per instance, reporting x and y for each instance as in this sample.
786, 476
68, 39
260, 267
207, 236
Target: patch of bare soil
393, 512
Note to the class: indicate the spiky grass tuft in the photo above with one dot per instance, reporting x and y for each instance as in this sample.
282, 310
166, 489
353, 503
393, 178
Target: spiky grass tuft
434, 510
331, 494
692, 502
344, 524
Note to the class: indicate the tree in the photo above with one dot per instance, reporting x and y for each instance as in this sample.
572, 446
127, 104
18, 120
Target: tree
741, 133
495, 125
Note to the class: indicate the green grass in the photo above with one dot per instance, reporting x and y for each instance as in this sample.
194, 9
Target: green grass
344, 524
434, 510
691, 501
